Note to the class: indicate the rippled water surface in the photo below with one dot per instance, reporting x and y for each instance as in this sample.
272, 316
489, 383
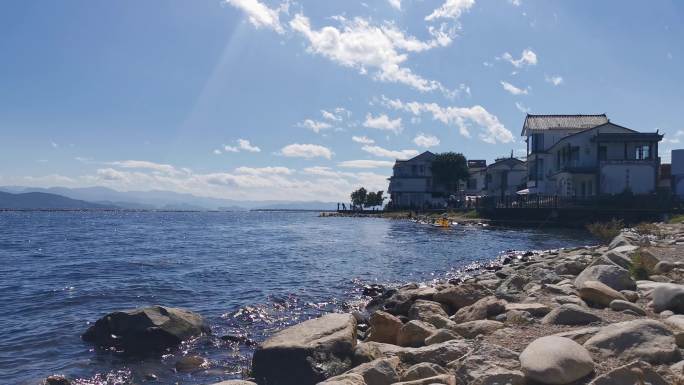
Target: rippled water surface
247, 273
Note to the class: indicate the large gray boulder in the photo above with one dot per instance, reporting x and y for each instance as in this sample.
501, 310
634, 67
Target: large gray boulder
149, 330
634, 373
668, 297
459, 296
569, 314
308, 352
414, 333
613, 276
384, 327
641, 339
555, 360
472, 329
484, 308
382, 371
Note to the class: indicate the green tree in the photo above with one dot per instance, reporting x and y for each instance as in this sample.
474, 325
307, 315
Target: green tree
448, 169
359, 196
375, 199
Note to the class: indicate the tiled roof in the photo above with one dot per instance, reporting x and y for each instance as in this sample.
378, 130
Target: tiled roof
572, 122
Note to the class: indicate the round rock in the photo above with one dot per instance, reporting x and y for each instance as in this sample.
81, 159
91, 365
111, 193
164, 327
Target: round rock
555, 360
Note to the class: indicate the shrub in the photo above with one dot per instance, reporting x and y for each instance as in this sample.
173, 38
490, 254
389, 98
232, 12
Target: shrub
638, 269
677, 219
606, 231
647, 228
471, 214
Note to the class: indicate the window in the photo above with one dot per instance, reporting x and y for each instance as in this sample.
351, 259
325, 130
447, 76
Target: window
643, 152
537, 142
603, 153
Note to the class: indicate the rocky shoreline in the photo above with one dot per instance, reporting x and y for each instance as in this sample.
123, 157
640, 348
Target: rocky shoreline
600, 315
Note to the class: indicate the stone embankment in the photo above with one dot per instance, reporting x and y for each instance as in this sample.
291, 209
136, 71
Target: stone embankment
570, 316
604, 315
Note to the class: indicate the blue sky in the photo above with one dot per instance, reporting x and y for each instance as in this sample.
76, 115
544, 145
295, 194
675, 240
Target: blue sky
300, 100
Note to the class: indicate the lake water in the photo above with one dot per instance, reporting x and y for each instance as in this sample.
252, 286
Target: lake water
247, 273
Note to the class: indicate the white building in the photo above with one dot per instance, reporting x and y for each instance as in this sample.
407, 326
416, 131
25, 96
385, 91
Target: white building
505, 176
411, 184
587, 155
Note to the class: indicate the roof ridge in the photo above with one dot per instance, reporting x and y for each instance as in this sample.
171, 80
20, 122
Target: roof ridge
566, 115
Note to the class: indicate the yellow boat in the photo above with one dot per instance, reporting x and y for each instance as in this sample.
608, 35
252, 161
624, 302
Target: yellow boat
442, 222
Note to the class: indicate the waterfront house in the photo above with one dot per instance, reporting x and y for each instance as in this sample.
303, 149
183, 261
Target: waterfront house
587, 155
475, 185
505, 176
411, 184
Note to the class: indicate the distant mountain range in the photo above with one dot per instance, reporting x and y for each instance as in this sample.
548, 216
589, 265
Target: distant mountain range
20, 197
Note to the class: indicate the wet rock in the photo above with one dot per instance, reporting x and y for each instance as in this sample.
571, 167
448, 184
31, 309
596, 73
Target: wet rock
472, 329
442, 335
242, 382
599, 294
641, 339
56, 380
384, 327
620, 305
190, 364
422, 370
309, 352
482, 309
555, 360
615, 277
382, 371
400, 302
569, 314
634, 373
147, 330
462, 295
414, 333
668, 297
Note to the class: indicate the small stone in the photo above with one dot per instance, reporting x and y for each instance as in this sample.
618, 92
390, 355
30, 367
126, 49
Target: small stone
190, 364
535, 309
482, 309
632, 296
663, 267
555, 360
634, 373
422, 370
570, 315
572, 299
620, 305
57, 380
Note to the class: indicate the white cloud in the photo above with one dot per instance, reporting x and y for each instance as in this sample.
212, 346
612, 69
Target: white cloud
492, 130
314, 125
521, 107
427, 141
679, 133
513, 89
555, 80
231, 149
385, 153
217, 152
264, 170
395, 4
307, 151
259, 14
515, 2
365, 163
383, 122
54, 145
528, 57
358, 44
363, 139
330, 116
244, 144
143, 164
451, 9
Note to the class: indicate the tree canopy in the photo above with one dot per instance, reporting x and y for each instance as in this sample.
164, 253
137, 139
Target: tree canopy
364, 198
358, 197
448, 169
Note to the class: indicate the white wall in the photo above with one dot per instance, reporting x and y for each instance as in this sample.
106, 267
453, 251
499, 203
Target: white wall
614, 178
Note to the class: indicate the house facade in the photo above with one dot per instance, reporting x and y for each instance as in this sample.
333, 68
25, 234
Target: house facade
587, 155
411, 184
506, 176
